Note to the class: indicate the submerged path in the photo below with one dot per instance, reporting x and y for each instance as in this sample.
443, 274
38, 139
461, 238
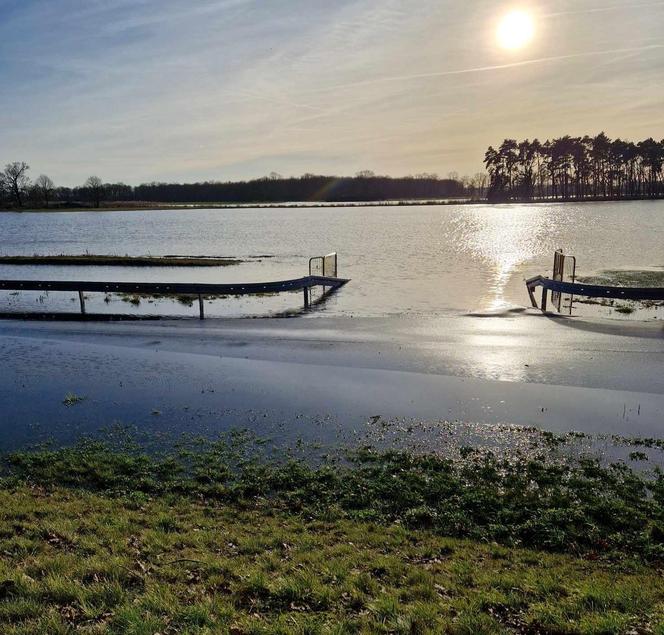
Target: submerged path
322, 379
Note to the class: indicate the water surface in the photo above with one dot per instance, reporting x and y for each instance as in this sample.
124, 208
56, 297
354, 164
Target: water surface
423, 260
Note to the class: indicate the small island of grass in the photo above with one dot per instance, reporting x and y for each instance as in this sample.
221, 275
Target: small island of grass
627, 278
120, 261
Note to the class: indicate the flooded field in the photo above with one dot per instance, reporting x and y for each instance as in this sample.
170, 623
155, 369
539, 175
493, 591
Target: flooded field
429, 260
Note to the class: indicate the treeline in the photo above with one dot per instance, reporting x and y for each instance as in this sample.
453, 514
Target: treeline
575, 168
310, 187
17, 190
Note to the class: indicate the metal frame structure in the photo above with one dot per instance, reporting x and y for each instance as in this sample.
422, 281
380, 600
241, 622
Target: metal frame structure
327, 265
329, 284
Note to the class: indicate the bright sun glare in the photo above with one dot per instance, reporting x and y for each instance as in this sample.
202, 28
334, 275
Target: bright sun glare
516, 30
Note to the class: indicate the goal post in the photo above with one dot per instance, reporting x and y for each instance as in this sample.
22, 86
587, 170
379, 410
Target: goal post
326, 266
564, 270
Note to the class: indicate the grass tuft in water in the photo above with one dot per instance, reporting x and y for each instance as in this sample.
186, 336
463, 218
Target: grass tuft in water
72, 399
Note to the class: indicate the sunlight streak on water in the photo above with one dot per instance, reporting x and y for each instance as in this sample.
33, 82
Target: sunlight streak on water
504, 238
494, 351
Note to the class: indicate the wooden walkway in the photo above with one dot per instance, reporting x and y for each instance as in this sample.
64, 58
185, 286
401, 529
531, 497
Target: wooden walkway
589, 291
200, 290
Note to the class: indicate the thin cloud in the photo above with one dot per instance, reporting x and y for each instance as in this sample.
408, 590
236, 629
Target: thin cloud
485, 69
278, 100
623, 7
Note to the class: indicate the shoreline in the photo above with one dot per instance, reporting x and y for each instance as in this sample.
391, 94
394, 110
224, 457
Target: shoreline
322, 472
149, 207
321, 205
205, 206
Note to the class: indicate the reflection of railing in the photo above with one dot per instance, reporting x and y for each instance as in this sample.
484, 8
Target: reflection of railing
200, 290
589, 291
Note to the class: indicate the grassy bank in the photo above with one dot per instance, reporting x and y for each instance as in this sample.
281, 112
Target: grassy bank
222, 538
120, 261
91, 562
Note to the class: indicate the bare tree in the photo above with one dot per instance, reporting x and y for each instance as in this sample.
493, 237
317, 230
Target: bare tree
480, 179
16, 180
95, 188
45, 187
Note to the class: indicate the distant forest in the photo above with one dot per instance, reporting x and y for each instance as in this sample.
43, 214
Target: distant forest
17, 190
563, 169
575, 168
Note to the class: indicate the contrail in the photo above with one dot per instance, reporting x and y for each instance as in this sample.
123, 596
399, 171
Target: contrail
484, 69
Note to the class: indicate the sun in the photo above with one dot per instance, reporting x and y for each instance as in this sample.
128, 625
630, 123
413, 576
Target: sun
516, 30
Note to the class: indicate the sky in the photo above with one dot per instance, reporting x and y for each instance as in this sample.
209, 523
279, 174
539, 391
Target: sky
164, 90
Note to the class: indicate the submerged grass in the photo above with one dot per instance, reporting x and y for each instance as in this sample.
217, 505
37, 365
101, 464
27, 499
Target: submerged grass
576, 505
184, 299
222, 538
71, 399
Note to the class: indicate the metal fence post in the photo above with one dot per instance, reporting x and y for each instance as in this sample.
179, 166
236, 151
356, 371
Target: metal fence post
81, 299
200, 307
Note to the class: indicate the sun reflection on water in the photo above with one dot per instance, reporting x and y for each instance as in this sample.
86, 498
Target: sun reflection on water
496, 351
502, 239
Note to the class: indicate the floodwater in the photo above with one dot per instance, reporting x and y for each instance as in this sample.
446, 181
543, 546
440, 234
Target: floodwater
400, 343
403, 260
432, 384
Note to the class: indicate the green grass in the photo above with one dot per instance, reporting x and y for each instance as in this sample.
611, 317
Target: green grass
576, 505
90, 562
221, 538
